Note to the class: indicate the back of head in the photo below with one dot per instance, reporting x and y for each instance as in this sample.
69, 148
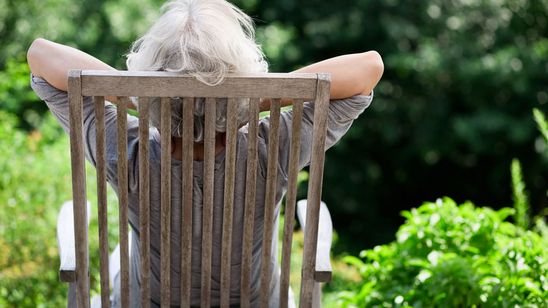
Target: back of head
204, 38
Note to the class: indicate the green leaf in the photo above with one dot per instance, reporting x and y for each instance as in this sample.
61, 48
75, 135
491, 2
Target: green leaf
542, 123
521, 202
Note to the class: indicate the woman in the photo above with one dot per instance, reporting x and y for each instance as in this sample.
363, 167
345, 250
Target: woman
209, 39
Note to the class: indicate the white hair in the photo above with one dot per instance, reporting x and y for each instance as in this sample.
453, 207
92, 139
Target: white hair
205, 38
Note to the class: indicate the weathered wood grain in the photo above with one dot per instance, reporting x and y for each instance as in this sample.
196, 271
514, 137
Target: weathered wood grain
144, 200
207, 213
79, 187
107, 83
161, 84
165, 210
290, 200
121, 120
314, 190
228, 208
99, 102
270, 200
249, 212
186, 222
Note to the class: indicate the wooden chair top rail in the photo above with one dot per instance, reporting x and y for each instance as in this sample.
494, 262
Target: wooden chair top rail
163, 84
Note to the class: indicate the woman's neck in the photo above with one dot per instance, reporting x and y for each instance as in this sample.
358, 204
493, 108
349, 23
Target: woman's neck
177, 147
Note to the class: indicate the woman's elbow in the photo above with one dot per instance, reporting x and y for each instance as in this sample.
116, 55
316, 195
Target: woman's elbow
376, 63
34, 54
373, 70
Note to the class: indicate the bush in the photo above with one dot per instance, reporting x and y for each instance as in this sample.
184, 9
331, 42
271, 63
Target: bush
449, 255
34, 182
447, 104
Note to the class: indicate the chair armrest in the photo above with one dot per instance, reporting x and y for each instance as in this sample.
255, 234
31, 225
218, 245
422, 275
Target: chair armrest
325, 237
65, 241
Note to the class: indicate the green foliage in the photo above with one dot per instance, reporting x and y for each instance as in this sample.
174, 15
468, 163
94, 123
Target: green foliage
542, 123
460, 80
33, 184
521, 203
17, 97
103, 27
449, 255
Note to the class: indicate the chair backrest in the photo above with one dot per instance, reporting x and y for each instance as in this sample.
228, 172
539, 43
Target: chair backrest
143, 85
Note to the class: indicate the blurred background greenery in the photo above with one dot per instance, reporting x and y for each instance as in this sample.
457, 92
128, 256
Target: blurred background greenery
451, 112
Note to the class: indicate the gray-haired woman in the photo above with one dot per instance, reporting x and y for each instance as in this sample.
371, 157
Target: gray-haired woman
209, 39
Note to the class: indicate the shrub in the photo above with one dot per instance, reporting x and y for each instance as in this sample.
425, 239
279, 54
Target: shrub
449, 255
34, 182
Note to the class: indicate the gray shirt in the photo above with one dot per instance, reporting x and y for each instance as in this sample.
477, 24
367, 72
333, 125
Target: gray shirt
340, 117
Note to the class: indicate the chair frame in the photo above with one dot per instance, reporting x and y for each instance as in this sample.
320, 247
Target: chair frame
313, 87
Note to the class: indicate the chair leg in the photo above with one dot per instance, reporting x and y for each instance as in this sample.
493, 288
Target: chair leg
71, 296
317, 295
325, 235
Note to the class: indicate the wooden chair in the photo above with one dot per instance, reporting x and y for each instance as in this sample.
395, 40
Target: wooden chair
143, 85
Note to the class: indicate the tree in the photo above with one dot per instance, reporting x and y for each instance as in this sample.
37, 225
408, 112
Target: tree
451, 111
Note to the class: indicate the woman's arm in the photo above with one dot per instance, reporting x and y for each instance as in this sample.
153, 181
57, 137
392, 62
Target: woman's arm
352, 74
52, 61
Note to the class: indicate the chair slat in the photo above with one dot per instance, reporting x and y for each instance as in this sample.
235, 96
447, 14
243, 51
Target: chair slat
207, 212
161, 84
230, 164
123, 197
290, 200
186, 222
249, 214
144, 200
314, 190
270, 199
165, 211
79, 187
99, 102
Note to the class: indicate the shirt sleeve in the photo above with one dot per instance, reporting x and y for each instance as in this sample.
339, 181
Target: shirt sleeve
57, 101
341, 114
